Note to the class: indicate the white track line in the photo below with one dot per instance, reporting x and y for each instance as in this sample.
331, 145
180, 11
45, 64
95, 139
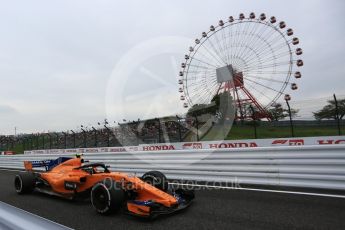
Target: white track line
263, 190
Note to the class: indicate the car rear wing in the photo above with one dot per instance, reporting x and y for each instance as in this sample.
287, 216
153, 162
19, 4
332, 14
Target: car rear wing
47, 164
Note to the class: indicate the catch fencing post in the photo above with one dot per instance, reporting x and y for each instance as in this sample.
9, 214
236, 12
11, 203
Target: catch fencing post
254, 121
287, 99
65, 139
179, 127
108, 135
44, 147
95, 135
32, 141
57, 140
73, 133
197, 127
159, 130
337, 114
50, 140
84, 136
37, 140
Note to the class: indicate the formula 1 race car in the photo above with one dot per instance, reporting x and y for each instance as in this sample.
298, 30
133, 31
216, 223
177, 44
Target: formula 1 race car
148, 196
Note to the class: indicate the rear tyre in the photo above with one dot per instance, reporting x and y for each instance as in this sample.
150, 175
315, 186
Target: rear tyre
24, 182
107, 198
156, 179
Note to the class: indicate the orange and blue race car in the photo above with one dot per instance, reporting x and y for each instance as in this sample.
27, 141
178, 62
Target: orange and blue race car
148, 196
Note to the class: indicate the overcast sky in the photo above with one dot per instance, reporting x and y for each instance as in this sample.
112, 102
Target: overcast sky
60, 61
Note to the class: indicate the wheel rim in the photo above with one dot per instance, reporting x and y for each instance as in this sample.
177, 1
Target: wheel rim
149, 180
100, 198
153, 181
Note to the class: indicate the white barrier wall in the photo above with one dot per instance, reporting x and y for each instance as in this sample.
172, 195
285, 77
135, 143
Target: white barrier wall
227, 144
317, 166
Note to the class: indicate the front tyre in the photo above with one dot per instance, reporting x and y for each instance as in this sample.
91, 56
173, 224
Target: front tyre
107, 197
156, 179
24, 182
186, 194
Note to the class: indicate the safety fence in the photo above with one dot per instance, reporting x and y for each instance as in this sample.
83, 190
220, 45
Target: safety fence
320, 166
322, 116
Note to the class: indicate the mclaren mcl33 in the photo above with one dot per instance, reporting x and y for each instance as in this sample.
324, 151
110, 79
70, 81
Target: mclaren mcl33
148, 196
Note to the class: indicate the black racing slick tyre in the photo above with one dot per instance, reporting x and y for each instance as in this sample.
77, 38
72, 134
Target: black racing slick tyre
157, 179
107, 198
24, 182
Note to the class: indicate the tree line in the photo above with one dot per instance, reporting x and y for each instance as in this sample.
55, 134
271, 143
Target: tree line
223, 104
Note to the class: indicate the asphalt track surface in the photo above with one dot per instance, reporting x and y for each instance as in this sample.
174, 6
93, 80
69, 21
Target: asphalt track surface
212, 209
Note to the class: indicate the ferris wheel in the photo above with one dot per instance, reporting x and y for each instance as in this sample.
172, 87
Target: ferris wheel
252, 58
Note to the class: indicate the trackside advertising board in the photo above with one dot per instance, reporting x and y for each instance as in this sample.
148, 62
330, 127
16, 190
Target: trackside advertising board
249, 143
